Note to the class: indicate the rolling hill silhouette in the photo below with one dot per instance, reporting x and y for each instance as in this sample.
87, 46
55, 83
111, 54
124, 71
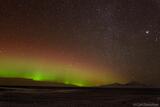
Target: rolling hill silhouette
29, 82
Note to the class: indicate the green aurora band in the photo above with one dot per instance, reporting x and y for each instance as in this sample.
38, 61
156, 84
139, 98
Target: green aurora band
54, 72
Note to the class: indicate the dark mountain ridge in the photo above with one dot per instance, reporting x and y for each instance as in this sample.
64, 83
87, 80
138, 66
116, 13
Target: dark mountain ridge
132, 84
29, 82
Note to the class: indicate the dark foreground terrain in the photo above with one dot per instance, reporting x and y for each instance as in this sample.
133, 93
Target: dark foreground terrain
78, 97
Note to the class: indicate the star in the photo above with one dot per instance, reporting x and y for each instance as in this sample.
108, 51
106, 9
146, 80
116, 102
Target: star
147, 31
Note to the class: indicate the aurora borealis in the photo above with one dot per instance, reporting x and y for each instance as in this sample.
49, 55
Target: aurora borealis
53, 72
80, 42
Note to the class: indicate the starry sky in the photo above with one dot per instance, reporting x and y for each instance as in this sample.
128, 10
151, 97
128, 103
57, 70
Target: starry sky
107, 40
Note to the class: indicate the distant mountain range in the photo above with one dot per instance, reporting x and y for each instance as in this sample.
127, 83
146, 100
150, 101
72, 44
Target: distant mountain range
133, 84
29, 82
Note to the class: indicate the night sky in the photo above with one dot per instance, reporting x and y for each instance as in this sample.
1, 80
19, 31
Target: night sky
100, 41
